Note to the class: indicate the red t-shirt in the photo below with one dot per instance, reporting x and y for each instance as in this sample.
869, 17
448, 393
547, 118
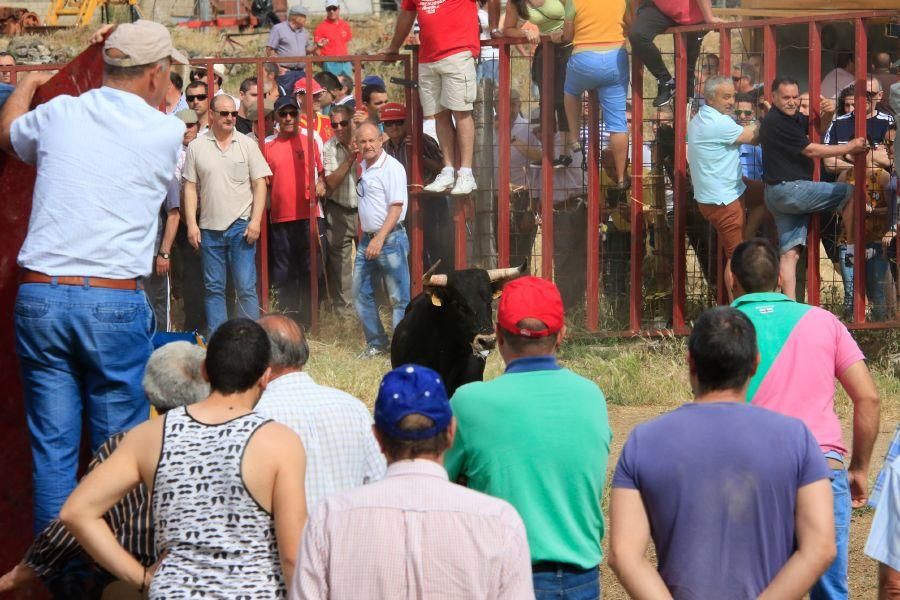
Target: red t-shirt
337, 33
287, 159
683, 12
445, 27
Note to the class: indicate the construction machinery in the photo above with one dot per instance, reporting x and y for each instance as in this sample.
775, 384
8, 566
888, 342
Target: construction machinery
83, 10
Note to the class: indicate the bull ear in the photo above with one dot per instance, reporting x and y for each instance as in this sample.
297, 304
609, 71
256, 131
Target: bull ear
497, 293
435, 299
497, 288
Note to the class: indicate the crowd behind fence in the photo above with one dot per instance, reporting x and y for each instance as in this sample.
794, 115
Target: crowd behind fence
649, 264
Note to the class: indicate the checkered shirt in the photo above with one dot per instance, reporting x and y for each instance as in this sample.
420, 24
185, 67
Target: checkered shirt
336, 429
892, 453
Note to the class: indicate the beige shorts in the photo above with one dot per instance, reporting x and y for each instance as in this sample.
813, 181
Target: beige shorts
447, 84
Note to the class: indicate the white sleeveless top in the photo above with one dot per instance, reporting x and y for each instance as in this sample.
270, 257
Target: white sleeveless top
220, 542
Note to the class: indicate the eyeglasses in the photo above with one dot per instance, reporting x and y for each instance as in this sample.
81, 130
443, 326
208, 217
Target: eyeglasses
340, 124
360, 187
288, 113
871, 95
746, 113
227, 113
191, 125
332, 8
200, 97
394, 123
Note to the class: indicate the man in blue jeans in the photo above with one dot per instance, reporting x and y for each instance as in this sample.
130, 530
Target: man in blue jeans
791, 194
383, 248
230, 172
82, 321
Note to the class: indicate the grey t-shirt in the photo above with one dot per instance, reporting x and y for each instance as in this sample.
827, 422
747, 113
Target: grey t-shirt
287, 42
719, 482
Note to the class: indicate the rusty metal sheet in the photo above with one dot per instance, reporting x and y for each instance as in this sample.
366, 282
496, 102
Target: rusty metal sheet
16, 184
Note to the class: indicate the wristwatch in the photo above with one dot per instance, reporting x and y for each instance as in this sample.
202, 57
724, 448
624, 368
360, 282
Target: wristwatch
163, 255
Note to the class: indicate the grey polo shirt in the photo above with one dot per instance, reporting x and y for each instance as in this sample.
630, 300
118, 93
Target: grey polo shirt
334, 154
287, 42
224, 178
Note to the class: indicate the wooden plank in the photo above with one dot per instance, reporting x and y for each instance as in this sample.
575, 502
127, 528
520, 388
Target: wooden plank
817, 5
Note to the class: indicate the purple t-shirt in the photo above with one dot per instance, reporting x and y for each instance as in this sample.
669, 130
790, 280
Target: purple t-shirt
719, 482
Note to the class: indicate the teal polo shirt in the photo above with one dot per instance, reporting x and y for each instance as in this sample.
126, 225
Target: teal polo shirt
538, 437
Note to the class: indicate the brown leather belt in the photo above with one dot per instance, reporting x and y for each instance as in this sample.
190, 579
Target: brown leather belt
99, 282
834, 463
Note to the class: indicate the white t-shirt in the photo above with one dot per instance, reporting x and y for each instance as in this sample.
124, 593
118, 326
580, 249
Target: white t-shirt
519, 168
487, 52
381, 185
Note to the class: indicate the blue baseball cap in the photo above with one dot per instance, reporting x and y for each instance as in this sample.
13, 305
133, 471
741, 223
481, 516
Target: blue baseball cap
284, 101
373, 80
412, 390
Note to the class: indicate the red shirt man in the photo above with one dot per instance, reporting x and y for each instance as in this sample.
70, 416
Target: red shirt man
333, 34
445, 27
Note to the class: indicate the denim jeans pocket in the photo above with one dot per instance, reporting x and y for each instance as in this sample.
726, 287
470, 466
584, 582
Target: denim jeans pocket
31, 308
116, 312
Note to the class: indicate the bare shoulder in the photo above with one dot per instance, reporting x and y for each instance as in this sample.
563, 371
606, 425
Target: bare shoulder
278, 438
148, 432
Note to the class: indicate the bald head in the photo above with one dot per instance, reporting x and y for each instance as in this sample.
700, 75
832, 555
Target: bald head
289, 348
367, 129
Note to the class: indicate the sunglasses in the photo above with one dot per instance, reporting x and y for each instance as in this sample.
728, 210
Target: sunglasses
288, 113
746, 113
227, 113
394, 123
191, 125
200, 97
340, 124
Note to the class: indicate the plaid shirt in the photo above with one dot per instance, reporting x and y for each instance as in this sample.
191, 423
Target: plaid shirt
130, 519
336, 430
893, 452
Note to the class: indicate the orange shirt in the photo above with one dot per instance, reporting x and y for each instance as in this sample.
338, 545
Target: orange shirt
598, 25
323, 126
287, 159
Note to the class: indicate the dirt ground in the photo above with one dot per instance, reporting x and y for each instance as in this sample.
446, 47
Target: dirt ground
863, 570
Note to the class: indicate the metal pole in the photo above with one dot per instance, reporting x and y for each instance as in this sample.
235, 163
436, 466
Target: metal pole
312, 199
503, 156
679, 270
410, 64
262, 249
813, 284
592, 277
859, 174
637, 195
548, 144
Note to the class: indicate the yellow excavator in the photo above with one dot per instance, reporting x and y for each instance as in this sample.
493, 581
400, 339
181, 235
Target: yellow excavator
83, 10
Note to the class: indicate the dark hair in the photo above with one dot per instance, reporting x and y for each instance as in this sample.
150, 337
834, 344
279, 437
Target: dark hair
780, 81
343, 109
5, 53
329, 81
754, 264
196, 84
723, 348
176, 80
395, 449
847, 92
347, 82
237, 356
843, 58
520, 344
521, 8
196, 74
247, 84
744, 98
368, 90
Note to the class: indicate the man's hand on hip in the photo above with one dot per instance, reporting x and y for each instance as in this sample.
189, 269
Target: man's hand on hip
373, 250
252, 232
193, 235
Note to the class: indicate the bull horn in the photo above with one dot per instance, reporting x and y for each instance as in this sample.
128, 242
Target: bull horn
498, 274
434, 280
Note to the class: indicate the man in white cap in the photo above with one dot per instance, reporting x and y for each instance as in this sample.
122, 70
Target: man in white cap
104, 160
290, 38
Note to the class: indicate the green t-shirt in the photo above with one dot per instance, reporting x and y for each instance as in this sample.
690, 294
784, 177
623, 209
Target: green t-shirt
538, 439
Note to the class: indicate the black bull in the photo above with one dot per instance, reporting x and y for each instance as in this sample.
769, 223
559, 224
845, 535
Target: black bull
449, 326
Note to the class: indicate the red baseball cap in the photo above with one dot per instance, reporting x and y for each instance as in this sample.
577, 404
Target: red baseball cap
300, 86
393, 111
530, 298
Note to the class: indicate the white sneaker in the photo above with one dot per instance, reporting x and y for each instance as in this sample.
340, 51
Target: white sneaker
442, 183
465, 185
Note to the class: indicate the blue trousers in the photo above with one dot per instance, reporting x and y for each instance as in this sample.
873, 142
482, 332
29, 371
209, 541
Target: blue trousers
391, 264
221, 251
833, 583
567, 585
82, 352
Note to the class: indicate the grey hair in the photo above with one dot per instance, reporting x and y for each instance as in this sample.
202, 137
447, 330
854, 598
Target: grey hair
288, 351
712, 84
174, 376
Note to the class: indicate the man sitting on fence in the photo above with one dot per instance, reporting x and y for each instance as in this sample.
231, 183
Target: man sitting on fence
791, 195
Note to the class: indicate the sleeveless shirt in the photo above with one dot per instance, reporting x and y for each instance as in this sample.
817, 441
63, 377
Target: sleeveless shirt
220, 542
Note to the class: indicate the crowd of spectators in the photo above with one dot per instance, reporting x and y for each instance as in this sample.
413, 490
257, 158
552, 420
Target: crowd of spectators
236, 469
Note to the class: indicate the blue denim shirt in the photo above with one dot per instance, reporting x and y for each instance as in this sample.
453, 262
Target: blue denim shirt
533, 363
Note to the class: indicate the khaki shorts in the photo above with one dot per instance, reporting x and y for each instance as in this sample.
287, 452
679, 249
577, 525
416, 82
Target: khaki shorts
728, 220
447, 84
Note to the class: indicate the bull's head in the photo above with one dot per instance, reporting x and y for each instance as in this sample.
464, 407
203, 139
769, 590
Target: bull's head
467, 296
